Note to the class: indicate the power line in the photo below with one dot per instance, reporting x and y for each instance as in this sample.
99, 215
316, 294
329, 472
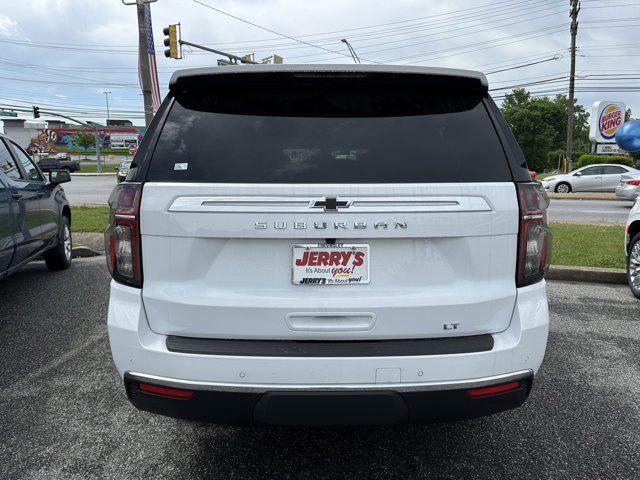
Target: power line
465, 32
555, 57
430, 26
517, 38
272, 31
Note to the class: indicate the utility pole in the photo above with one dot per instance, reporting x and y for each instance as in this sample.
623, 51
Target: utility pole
575, 8
106, 96
143, 58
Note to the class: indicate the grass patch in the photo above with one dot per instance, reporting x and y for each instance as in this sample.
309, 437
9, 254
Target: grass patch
588, 245
542, 176
93, 168
89, 219
88, 168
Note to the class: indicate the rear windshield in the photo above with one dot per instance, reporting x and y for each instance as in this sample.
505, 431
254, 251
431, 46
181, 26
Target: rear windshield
342, 136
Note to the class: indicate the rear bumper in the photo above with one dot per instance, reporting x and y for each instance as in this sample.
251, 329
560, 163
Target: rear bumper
627, 193
414, 380
317, 406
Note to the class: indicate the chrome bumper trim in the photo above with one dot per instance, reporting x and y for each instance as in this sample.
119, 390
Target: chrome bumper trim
398, 387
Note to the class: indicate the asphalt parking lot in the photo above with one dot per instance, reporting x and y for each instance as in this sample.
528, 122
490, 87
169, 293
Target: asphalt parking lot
63, 413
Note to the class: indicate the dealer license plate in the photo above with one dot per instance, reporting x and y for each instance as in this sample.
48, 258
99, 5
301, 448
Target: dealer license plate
338, 264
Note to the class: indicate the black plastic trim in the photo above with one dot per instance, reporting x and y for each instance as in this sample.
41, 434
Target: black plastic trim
513, 152
324, 408
344, 348
142, 158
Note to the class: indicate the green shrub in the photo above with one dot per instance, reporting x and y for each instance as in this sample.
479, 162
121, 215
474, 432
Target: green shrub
590, 159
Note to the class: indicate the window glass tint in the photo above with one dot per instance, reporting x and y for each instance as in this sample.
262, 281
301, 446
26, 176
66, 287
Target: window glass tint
30, 169
305, 137
592, 171
613, 169
7, 165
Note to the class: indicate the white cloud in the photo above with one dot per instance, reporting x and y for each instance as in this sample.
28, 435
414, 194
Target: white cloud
8, 27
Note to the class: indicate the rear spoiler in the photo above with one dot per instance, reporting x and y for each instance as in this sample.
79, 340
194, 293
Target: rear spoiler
317, 76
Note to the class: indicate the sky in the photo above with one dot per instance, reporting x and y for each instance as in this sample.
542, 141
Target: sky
63, 54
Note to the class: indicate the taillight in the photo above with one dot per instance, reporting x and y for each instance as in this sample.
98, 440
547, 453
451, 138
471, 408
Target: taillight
534, 235
633, 182
122, 237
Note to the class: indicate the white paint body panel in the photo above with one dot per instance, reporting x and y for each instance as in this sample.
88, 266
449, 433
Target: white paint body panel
136, 348
209, 272
634, 217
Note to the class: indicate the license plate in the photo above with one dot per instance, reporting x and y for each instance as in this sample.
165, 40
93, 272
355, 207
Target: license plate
338, 264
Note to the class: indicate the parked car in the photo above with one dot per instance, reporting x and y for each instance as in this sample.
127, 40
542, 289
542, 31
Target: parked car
35, 218
122, 170
59, 162
632, 248
375, 254
592, 178
628, 188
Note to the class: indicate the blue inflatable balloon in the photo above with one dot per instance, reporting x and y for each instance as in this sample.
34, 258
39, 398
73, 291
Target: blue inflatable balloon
628, 136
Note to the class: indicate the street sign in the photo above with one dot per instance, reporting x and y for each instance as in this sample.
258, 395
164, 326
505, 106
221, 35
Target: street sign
607, 149
133, 149
8, 114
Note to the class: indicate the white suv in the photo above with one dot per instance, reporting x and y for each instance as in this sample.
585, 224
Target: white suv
312, 245
632, 248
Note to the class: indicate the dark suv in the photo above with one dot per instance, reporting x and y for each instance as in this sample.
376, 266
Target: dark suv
59, 162
35, 218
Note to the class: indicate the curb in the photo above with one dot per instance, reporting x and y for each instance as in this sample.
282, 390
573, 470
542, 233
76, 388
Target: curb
82, 252
585, 196
587, 274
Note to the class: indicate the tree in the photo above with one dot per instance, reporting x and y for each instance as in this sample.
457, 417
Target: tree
84, 140
540, 126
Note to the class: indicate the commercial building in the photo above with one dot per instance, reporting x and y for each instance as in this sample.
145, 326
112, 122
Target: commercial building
54, 136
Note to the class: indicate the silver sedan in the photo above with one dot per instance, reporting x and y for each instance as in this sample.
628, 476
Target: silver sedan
592, 178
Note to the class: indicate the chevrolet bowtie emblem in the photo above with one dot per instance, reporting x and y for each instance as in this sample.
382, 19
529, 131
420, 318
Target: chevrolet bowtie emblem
331, 204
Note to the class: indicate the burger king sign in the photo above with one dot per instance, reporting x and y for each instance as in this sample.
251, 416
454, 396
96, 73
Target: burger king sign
606, 118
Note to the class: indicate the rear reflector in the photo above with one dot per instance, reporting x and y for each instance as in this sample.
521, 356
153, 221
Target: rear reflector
166, 391
505, 387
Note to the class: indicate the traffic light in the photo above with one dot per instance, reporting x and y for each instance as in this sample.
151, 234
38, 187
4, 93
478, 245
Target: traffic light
36, 111
172, 41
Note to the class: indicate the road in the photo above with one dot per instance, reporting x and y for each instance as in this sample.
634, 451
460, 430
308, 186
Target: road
609, 211
65, 416
89, 190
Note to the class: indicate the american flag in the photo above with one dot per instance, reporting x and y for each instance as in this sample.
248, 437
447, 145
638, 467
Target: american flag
151, 52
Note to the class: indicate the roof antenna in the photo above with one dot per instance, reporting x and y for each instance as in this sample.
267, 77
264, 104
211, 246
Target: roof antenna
354, 55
